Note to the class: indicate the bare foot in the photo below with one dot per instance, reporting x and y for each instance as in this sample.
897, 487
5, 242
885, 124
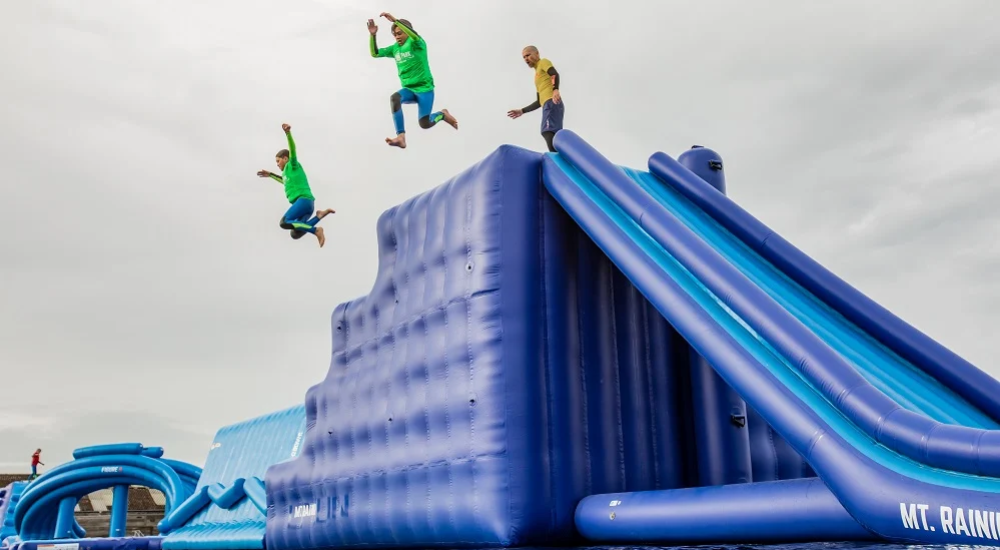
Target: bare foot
320, 214
320, 236
450, 119
398, 141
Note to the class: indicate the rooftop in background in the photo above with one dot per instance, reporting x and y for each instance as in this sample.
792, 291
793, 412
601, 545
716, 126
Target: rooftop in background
139, 498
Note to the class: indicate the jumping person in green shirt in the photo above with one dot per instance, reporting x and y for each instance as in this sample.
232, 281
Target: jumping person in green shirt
298, 193
410, 53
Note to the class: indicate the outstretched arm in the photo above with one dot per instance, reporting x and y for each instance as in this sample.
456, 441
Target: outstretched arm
268, 174
534, 105
291, 143
373, 45
514, 113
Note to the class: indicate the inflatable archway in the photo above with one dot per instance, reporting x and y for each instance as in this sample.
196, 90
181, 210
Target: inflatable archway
45, 509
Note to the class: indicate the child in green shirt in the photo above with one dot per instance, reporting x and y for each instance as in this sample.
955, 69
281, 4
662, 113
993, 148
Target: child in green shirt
298, 193
410, 53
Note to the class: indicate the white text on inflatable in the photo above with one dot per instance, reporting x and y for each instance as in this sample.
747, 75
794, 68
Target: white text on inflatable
304, 510
967, 522
326, 509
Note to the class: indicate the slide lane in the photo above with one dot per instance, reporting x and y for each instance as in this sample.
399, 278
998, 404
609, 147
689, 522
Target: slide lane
776, 365
958, 375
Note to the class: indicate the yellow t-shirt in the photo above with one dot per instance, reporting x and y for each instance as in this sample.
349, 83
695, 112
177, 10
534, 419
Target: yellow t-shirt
543, 81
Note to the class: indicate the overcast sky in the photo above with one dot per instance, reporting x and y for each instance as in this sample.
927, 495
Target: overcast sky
141, 265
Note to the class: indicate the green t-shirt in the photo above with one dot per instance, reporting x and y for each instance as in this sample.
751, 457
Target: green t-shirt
411, 61
294, 176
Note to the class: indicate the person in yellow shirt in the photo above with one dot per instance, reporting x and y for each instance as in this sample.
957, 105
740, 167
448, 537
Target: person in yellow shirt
548, 98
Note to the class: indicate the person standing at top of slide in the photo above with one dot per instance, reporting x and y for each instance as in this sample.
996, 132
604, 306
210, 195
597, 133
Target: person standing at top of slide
548, 97
410, 53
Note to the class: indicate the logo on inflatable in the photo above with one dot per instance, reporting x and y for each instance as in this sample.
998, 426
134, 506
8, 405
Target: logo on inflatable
984, 524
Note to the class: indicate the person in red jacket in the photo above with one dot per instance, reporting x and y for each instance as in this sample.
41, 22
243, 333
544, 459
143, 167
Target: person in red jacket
36, 459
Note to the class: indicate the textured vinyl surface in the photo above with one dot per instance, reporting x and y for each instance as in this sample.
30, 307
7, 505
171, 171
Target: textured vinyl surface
240, 451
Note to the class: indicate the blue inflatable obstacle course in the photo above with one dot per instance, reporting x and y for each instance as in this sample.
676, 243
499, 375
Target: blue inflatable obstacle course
557, 350
223, 506
45, 510
560, 350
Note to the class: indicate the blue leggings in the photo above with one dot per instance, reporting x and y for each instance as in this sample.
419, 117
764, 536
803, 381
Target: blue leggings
297, 218
425, 103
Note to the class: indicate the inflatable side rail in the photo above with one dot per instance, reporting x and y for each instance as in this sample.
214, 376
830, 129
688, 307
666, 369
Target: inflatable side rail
950, 447
222, 496
955, 372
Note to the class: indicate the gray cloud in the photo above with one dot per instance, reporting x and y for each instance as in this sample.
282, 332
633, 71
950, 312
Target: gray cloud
141, 261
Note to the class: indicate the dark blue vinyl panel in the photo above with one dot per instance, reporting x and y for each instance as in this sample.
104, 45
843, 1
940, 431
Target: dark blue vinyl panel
431, 425
500, 370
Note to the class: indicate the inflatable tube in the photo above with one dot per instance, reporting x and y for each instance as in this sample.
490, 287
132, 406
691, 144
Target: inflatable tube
149, 471
800, 510
954, 372
109, 449
185, 510
949, 447
721, 436
254, 488
188, 472
64, 518
119, 511
38, 521
225, 497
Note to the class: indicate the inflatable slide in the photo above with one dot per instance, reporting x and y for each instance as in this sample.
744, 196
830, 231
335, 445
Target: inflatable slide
900, 430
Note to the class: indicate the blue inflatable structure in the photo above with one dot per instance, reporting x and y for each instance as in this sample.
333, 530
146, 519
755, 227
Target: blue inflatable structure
9, 496
558, 350
228, 508
45, 509
558, 347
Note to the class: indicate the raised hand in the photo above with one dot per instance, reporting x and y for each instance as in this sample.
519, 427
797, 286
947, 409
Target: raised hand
372, 27
263, 173
286, 128
388, 16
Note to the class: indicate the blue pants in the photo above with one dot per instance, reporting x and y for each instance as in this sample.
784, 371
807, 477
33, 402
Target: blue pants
425, 104
297, 218
34, 469
552, 116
